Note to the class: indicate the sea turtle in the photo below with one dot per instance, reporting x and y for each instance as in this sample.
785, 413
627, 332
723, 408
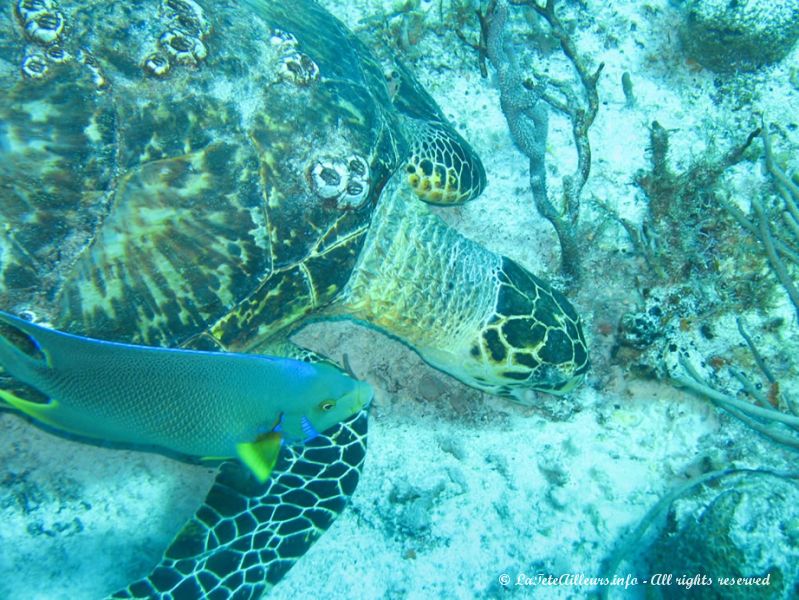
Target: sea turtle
213, 176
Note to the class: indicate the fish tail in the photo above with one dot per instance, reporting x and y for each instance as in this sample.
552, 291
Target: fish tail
37, 410
20, 353
22, 356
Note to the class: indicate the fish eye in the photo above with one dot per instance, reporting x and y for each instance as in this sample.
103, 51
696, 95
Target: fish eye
327, 405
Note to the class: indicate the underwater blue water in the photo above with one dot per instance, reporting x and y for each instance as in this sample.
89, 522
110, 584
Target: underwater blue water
212, 177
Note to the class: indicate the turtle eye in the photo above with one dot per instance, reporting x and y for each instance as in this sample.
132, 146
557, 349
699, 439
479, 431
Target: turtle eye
327, 405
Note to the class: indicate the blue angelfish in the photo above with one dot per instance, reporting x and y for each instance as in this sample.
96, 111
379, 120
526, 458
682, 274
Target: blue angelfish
203, 404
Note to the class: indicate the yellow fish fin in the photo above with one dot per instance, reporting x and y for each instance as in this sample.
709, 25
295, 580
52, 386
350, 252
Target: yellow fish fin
37, 410
260, 456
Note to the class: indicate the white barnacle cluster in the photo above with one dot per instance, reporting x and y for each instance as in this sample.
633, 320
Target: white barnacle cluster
157, 64
183, 39
43, 24
56, 54
183, 49
344, 180
295, 66
42, 20
87, 59
34, 65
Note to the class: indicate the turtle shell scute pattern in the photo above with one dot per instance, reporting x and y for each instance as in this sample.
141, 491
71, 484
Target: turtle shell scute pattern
204, 208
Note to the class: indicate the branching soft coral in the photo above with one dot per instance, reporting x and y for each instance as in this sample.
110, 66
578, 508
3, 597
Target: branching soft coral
525, 101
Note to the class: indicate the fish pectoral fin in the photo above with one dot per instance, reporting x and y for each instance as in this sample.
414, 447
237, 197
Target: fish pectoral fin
261, 455
38, 410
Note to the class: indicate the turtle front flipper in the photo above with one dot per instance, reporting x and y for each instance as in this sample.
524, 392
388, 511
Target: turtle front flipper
441, 167
246, 535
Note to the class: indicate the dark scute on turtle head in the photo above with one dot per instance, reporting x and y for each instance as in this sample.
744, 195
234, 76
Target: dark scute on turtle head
542, 328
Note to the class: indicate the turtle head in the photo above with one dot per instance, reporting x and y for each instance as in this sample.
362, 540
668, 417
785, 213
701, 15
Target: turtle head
528, 338
533, 340
467, 311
